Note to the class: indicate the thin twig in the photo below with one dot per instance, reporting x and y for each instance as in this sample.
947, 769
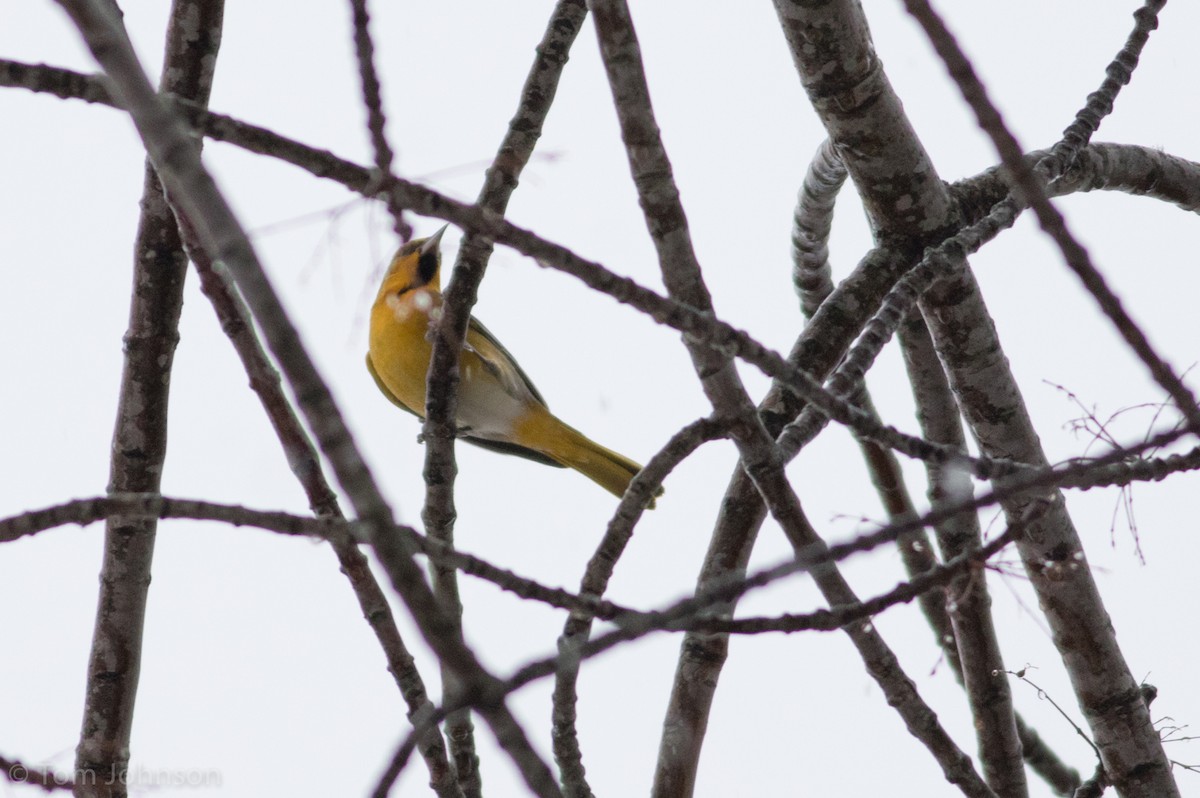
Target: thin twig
18, 773
364, 51
1118, 74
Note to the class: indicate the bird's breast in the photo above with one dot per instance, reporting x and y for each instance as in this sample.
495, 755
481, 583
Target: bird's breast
399, 345
400, 350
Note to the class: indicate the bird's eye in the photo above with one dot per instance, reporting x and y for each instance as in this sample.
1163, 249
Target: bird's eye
427, 266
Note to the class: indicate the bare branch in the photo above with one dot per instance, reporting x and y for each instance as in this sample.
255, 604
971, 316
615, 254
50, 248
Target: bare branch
1134, 170
999, 749
830, 45
1129, 168
306, 465
364, 51
966, 342
139, 445
177, 162
1052, 552
979, 664
595, 581
1118, 74
679, 616
968, 640
812, 222
667, 223
152, 505
1029, 185
501, 178
899, 301
18, 773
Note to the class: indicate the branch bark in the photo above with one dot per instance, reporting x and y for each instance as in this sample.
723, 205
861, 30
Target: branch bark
967, 638
965, 339
306, 465
599, 570
440, 429
177, 162
667, 224
139, 446
432, 199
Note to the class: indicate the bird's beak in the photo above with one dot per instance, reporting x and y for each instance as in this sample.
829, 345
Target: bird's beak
434, 241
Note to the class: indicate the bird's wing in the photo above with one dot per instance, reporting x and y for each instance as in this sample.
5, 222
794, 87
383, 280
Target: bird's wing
503, 447
500, 362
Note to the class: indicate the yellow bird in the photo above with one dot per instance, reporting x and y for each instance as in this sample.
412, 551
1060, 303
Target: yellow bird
498, 406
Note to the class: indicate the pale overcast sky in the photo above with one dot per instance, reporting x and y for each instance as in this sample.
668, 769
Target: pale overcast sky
258, 666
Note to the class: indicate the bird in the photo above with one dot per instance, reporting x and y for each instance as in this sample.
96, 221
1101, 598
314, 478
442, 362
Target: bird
499, 408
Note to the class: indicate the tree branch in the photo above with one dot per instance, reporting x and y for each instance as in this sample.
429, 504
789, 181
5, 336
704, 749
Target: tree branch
667, 223
998, 727
812, 276
599, 570
302, 459
500, 180
1029, 185
18, 773
139, 446
364, 52
177, 162
681, 615
977, 659
965, 339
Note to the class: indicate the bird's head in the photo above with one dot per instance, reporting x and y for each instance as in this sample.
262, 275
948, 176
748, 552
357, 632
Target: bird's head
417, 264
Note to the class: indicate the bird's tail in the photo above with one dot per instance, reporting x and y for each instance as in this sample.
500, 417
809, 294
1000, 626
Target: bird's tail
606, 468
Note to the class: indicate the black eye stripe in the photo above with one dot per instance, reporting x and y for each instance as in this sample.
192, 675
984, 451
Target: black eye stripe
427, 266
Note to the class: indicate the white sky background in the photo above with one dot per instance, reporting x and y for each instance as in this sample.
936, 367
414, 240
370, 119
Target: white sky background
257, 662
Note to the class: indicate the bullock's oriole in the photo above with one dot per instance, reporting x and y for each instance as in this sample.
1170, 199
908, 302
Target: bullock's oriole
498, 406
